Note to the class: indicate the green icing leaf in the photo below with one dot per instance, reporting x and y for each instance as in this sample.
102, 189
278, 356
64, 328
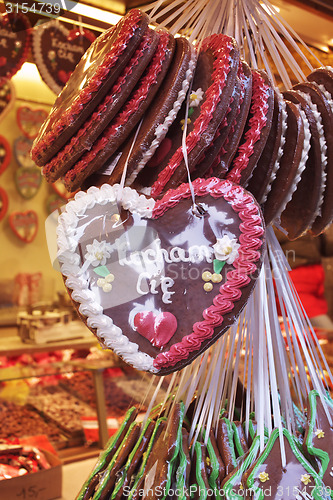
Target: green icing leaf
190, 111
218, 265
102, 271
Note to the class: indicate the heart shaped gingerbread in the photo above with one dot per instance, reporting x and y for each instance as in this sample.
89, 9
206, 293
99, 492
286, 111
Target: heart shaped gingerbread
158, 329
24, 225
54, 202
160, 281
3, 203
30, 120
7, 98
22, 148
57, 51
28, 181
15, 41
5, 154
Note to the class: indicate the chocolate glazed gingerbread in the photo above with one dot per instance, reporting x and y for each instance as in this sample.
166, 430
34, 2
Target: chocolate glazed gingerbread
128, 117
289, 164
85, 137
215, 75
92, 78
256, 130
262, 174
205, 166
326, 112
196, 316
91, 483
170, 97
299, 216
230, 145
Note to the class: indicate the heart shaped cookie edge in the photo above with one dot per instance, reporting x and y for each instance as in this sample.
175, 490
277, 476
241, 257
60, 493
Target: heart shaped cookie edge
12, 217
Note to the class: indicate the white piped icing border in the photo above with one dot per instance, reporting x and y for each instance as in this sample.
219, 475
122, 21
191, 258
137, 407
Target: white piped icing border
108, 333
276, 165
302, 163
162, 128
323, 149
326, 93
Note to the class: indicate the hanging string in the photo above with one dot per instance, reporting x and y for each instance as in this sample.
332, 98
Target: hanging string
124, 173
184, 147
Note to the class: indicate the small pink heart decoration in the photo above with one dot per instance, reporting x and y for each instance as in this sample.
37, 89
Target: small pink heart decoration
64, 76
156, 280
57, 51
157, 329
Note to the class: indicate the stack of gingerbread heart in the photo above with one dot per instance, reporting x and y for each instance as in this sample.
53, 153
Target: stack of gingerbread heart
124, 113
131, 70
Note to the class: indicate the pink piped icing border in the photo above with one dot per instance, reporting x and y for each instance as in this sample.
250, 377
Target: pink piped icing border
250, 240
130, 24
257, 122
223, 150
221, 47
52, 170
132, 105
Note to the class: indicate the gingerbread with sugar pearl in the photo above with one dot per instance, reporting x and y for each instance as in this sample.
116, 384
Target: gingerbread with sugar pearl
160, 281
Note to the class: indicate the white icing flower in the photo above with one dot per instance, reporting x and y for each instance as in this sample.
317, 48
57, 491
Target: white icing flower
196, 97
226, 249
98, 252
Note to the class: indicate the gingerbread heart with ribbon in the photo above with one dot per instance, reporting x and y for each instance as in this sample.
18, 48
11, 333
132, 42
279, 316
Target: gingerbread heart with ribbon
5, 154
57, 51
53, 203
28, 181
160, 281
22, 148
3, 203
15, 41
24, 225
30, 120
7, 98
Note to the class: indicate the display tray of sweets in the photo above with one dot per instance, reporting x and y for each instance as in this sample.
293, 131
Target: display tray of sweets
63, 409
19, 421
121, 392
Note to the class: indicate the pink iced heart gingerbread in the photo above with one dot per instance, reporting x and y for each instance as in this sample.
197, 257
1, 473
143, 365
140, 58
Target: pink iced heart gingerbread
160, 281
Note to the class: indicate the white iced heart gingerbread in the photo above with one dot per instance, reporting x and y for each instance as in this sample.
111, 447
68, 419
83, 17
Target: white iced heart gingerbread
160, 281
